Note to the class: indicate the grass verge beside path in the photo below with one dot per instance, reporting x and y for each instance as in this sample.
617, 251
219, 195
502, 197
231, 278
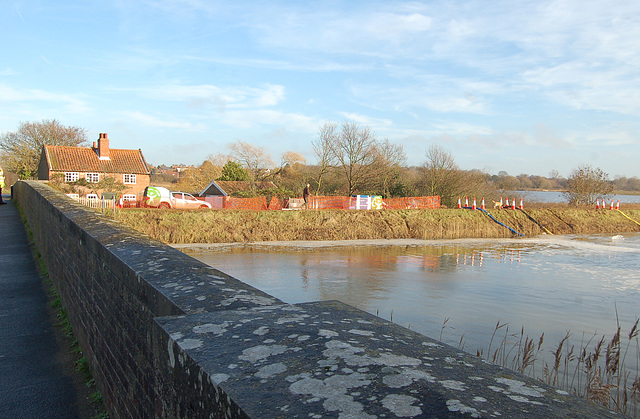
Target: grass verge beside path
90, 404
228, 226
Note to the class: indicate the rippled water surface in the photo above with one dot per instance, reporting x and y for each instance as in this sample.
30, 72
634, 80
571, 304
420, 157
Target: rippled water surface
554, 196
548, 284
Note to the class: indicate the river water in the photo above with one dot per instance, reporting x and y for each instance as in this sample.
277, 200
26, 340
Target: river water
555, 197
551, 284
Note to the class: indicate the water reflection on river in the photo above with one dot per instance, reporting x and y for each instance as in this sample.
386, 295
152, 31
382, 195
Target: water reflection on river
548, 284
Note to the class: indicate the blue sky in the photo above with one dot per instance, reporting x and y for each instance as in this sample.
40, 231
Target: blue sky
520, 86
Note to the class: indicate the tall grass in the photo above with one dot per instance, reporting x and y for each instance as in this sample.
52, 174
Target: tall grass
600, 370
226, 226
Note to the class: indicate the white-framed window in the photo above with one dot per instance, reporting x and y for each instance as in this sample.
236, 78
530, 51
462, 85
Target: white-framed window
128, 197
129, 179
92, 177
71, 176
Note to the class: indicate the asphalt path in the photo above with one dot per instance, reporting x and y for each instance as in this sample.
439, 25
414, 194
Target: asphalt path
33, 382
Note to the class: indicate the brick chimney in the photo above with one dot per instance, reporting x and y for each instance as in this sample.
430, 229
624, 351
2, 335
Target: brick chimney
103, 147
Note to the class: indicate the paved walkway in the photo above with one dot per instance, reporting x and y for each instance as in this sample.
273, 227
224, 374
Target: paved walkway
32, 381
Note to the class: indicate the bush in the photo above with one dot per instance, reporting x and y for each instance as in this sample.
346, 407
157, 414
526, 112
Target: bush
587, 184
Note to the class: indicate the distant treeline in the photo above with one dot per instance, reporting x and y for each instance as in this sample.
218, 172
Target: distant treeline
351, 161
410, 179
505, 181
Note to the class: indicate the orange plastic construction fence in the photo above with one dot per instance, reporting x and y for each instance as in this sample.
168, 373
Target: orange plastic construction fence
275, 204
329, 202
259, 203
346, 202
326, 202
315, 202
414, 202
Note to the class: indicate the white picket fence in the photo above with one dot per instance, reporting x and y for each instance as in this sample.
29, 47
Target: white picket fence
100, 204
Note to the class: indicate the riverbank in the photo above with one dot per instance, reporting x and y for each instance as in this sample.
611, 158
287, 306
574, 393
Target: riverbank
182, 227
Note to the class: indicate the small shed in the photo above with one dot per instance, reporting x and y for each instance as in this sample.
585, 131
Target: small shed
229, 187
217, 191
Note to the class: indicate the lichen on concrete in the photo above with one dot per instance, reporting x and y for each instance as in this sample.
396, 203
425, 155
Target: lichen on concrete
330, 360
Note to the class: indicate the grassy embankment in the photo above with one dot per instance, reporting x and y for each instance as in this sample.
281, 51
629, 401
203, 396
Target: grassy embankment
205, 226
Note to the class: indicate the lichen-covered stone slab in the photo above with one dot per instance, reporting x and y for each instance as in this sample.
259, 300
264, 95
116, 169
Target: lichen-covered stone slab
327, 359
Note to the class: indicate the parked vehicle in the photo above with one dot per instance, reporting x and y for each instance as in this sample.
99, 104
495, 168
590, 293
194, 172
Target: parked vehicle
187, 201
159, 197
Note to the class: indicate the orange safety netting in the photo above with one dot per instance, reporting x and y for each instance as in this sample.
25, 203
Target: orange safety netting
414, 202
329, 202
315, 202
275, 204
131, 204
346, 202
258, 203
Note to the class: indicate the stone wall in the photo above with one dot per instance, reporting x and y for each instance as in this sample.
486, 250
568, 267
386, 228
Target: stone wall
167, 336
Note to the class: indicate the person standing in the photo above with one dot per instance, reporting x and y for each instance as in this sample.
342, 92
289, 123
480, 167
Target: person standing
305, 196
1, 186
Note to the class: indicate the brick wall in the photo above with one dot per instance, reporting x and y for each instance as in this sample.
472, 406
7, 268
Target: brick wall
113, 282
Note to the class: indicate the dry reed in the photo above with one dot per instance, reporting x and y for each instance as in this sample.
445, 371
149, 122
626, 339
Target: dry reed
581, 370
227, 226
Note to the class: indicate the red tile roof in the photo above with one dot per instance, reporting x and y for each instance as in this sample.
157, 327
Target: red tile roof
85, 159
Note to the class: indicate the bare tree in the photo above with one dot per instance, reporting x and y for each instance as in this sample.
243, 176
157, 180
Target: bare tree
219, 159
322, 147
22, 148
256, 160
355, 151
386, 171
291, 158
475, 183
442, 176
195, 179
289, 175
586, 184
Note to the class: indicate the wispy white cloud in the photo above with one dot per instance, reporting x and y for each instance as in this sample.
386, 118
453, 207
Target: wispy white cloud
366, 120
8, 72
544, 47
520, 46
434, 93
376, 30
480, 76
610, 136
140, 118
239, 107
462, 129
223, 98
185, 7
75, 104
245, 119
309, 63
589, 86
